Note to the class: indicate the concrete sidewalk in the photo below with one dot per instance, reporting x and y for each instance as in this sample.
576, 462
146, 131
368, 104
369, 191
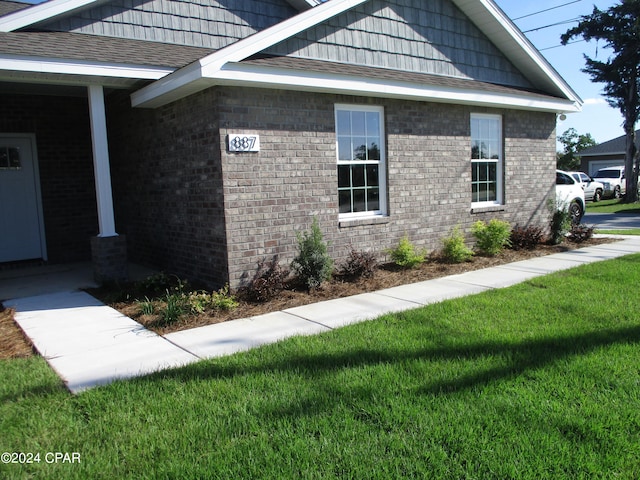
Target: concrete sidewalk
90, 344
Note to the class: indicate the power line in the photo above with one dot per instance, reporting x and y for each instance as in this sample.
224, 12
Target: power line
564, 22
558, 46
546, 10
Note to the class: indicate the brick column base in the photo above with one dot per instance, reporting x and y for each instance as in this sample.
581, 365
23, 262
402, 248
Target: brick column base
109, 255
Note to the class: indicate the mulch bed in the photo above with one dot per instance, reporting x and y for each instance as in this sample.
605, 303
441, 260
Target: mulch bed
13, 343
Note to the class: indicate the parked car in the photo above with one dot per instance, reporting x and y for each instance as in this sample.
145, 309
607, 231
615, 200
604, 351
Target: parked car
593, 190
613, 180
569, 196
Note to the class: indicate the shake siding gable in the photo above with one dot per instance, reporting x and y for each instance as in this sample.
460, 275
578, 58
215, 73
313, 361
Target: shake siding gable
206, 23
435, 38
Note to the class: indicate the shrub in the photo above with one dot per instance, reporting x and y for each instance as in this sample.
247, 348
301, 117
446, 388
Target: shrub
492, 237
201, 301
175, 306
312, 264
580, 233
268, 282
405, 254
359, 264
526, 238
454, 249
560, 224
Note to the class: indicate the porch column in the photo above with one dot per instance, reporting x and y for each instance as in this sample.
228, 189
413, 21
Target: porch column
104, 198
108, 249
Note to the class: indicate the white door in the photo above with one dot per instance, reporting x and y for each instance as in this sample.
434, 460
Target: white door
21, 231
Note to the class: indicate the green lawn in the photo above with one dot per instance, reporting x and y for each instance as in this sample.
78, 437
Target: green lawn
612, 206
537, 381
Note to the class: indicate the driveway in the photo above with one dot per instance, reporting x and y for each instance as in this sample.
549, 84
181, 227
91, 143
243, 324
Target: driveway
612, 221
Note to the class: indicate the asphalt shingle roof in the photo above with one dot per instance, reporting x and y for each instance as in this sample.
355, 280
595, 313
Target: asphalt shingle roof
304, 64
76, 46
617, 145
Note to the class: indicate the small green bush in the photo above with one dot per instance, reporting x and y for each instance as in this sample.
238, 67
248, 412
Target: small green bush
313, 265
359, 264
405, 254
454, 249
492, 237
560, 224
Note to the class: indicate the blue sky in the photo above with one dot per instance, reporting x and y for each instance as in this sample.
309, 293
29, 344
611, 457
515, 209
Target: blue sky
597, 117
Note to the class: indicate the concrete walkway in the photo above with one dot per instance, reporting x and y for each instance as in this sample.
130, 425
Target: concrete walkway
90, 344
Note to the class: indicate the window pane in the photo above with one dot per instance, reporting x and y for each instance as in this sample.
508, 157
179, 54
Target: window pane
357, 176
344, 148
374, 151
344, 123
373, 199
358, 126
360, 148
492, 169
359, 204
372, 176
344, 176
373, 124
482, 172
344, 201
4, 157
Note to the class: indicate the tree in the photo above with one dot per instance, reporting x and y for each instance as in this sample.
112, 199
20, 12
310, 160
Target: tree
619, 28
569, 158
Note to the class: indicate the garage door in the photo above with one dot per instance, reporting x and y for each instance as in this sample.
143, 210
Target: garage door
596, 165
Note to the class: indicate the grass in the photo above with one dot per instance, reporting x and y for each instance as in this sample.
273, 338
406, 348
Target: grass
540, 380
613, 206
630, 231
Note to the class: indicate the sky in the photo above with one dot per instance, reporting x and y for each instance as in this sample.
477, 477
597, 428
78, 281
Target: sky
597, 117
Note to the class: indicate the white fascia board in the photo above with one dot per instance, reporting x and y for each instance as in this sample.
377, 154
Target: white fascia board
38, 13
80, 67
265, 77
177, 85
494, 23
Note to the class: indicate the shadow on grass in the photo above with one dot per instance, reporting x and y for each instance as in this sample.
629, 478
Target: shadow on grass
522, 357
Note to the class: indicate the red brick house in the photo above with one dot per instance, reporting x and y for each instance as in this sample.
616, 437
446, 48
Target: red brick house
199, 137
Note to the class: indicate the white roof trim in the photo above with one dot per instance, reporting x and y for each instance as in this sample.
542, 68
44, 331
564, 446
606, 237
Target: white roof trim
496, 25
485, 14
47, 65
209, 65
38, 13
269, 77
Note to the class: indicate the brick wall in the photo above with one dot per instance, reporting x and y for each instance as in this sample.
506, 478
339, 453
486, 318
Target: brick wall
63, 139
189, 206
272, 194
167, 185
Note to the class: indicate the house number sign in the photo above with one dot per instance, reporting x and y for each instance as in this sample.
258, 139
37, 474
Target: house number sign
240, 142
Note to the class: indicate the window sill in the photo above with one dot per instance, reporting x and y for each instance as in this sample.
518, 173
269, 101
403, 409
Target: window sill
358, 222
488, 209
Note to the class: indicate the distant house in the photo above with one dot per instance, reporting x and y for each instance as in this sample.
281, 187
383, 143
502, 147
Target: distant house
199, 137
605, 154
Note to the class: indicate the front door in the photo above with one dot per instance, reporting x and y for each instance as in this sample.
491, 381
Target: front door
21, 231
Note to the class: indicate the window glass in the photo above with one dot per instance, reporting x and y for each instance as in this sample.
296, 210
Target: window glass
360, 157
486, 159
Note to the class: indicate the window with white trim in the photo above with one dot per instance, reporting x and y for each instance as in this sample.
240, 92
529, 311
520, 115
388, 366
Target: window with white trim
486, 160
361, 160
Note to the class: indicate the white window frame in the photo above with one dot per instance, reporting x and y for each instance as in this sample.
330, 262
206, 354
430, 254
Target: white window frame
382, 164
499, 161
